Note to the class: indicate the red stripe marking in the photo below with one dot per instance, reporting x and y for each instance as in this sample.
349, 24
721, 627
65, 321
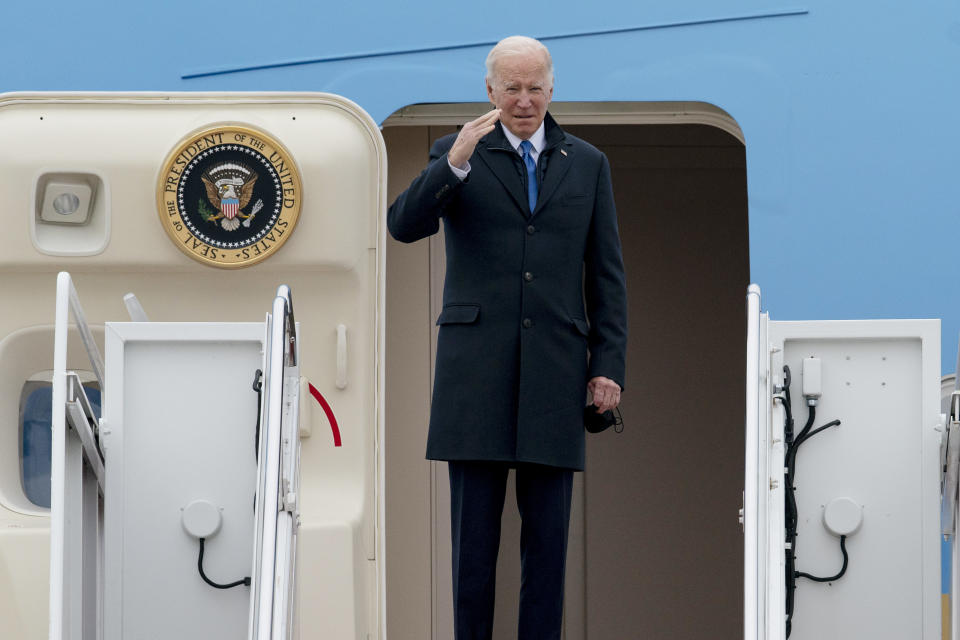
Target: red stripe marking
327, 410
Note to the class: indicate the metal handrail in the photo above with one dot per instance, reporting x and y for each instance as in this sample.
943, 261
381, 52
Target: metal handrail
266, 610
68, 304
86, 337
751, 621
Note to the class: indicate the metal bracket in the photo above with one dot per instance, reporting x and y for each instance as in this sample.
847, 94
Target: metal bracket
82, 419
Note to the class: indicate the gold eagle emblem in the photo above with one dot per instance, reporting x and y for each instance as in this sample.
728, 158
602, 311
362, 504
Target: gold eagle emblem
229, 189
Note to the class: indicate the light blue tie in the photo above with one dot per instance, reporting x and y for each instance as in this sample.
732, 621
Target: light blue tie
525, 147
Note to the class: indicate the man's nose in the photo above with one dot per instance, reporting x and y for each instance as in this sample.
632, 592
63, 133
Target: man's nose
524, 100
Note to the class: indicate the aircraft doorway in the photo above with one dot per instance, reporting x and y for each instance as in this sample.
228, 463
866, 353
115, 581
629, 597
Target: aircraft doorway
655, 548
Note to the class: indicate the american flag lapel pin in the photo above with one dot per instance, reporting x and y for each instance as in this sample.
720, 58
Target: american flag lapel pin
563, 152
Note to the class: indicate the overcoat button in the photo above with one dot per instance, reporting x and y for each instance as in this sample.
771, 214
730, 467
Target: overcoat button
528, 276
531, 230
527, 323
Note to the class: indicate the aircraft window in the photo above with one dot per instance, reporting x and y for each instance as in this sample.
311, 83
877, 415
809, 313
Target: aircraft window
36, 401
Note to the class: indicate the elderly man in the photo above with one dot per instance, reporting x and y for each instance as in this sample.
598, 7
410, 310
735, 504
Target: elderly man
534, 282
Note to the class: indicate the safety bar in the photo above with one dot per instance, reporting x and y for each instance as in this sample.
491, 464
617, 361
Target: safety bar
271, 602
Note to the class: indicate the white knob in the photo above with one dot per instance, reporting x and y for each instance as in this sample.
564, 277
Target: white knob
201, 519
842, 516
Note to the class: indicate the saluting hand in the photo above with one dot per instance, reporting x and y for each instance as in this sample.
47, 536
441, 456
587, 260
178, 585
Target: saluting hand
606, 393
467, 139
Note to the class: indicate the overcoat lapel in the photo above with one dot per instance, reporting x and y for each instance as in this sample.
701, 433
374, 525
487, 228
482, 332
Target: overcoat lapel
556, 171
496, 152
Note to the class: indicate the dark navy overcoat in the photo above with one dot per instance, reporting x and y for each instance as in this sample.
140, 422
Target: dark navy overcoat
527, 295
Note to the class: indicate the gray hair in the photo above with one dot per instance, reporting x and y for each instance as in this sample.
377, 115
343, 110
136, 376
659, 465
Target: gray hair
518, 45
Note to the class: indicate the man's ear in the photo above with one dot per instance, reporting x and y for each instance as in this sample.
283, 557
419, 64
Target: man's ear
490, 94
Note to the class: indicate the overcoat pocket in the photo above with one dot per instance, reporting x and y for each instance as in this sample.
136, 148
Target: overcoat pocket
573, 200
459, 314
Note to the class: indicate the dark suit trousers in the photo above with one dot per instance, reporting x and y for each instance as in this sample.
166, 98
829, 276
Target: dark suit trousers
477, 491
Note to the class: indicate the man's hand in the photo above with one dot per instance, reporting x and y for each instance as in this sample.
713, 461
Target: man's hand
606, 393
467, 139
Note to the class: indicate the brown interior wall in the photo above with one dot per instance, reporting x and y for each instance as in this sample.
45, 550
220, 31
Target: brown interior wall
663, 550
407, 399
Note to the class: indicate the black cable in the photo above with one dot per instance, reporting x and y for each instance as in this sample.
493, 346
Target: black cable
811, 416
787, 404
790, 505
843, 569
788, 425
791, 515
835, 423
244, 581
258, 387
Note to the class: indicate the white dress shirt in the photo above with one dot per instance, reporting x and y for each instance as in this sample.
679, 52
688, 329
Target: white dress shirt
538, 141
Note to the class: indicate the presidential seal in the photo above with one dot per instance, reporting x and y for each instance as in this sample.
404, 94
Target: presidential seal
229, 196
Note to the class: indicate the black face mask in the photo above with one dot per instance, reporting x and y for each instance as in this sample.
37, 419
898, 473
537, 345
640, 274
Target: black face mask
596, 422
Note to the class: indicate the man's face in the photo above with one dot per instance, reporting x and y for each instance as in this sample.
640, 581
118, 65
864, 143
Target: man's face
521, 89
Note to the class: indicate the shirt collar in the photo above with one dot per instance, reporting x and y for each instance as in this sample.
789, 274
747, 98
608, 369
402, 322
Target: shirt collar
538, 139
